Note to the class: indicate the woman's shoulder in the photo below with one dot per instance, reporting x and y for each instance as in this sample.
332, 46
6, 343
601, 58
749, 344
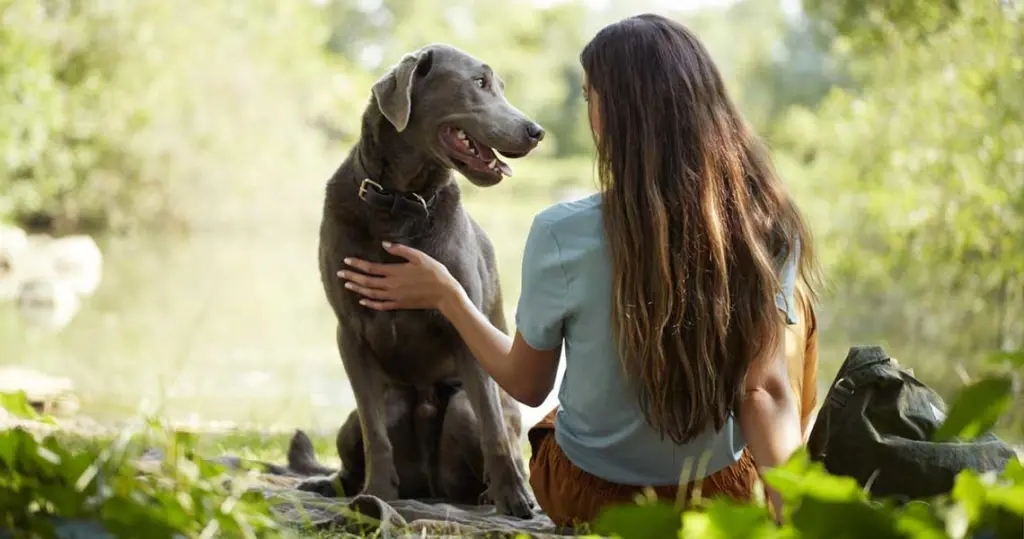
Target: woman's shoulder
571, 213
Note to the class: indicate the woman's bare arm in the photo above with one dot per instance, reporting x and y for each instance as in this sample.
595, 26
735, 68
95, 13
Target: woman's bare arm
769, 416
527, 374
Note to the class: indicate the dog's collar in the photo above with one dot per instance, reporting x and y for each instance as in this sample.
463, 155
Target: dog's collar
381, 198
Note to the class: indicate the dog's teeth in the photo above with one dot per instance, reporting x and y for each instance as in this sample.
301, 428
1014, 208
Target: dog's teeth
493, 163
460, 134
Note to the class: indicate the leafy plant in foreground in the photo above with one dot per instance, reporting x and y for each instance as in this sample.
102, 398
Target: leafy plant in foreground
819, 504
176, 494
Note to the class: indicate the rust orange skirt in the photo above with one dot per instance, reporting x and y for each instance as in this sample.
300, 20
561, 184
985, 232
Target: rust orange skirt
571, 496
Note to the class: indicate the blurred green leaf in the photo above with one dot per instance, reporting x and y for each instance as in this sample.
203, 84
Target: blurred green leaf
801, 477
1015, 359
650, 521
723, 518
1014, 471
976, 408
969, 491
843, 519
919, 521
18, 405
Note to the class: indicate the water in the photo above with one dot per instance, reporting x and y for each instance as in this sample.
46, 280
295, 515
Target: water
230, 323
225, 326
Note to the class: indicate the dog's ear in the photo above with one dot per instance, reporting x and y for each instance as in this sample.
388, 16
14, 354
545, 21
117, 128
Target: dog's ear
393, 91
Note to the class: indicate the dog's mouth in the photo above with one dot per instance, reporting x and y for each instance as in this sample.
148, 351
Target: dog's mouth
466, 151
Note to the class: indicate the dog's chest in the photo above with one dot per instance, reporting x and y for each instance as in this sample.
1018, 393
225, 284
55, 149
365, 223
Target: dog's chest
413, 347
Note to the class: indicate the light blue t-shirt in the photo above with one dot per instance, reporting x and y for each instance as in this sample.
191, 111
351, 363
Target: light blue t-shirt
566, 297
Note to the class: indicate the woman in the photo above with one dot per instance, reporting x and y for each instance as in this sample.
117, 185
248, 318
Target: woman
670, 291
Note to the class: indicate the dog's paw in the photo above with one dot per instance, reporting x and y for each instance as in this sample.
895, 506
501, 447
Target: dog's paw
511, 493
516, 501
383, 486
327, 486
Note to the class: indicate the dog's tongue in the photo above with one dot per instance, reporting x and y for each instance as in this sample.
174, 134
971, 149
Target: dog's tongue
503, 167
489, 161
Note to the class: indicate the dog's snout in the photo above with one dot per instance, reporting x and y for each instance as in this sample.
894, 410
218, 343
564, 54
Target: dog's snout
535, 131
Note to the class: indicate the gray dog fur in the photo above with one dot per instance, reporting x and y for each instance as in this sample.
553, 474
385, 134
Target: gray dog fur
408, 145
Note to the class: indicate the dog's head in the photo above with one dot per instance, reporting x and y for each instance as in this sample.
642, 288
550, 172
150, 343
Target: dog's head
452, 107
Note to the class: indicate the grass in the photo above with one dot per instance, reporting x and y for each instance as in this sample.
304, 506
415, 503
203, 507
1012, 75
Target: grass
97, 478
49, 471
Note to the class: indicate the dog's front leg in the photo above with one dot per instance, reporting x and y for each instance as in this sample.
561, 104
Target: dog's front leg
506, 483
369, 387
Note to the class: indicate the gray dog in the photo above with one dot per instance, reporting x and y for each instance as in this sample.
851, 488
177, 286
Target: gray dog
439, 109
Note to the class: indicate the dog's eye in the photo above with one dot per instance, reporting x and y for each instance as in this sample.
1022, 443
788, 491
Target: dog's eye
481, 82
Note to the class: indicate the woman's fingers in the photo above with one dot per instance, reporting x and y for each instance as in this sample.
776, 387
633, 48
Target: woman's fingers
408, 253
368, 267
379, 305
364, 280
372, 293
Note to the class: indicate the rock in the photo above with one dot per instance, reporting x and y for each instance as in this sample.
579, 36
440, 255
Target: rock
47, 394
51, 276
47, 302
13, 245
77, 260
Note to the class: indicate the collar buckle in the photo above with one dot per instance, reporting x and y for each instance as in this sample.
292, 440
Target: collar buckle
367, 183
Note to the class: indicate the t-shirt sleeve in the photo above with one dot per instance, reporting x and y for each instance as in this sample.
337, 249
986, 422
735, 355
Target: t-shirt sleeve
540, 314
785, 300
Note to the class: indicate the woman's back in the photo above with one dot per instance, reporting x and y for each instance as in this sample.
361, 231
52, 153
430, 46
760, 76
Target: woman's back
567, 285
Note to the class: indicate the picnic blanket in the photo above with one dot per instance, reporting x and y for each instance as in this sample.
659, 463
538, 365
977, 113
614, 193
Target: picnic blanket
364, 515
360, 516
367, 516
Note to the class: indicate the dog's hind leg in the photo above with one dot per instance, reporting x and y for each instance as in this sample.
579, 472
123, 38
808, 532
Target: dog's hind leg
460, 466
351, 452
326, 481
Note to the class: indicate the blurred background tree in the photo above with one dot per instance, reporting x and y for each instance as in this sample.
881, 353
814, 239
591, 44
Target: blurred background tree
919, 175
193, 140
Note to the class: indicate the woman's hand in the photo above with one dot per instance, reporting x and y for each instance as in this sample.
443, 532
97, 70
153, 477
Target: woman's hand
419, 283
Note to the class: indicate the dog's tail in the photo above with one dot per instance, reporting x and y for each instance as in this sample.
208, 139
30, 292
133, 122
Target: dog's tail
302, 457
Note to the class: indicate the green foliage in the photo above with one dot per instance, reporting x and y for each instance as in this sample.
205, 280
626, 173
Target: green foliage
819, 504
864, 24
113, 114
45, 481
914, 178
648, 521
1015, 359
722, 518
17, 405
976, 409
48, 480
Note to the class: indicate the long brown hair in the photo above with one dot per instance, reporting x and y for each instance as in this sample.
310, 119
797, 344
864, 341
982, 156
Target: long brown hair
697, 224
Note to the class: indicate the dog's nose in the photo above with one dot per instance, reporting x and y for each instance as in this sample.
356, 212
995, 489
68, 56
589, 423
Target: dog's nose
535, 131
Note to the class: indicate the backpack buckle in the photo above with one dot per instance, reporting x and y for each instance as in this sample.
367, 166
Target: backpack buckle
842, 391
